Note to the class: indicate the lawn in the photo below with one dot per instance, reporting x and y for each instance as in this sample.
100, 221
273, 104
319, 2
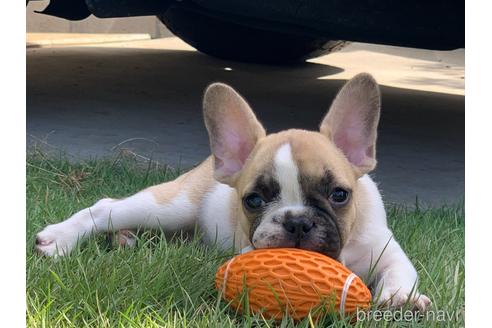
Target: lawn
163, 283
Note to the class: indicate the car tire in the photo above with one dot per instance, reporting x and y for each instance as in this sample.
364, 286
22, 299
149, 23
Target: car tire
229, 40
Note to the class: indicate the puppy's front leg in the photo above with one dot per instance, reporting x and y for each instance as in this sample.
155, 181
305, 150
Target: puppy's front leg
395, 279
142, 210
386, 267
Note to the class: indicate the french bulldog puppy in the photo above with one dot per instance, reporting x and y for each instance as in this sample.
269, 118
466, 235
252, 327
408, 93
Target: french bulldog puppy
295, 188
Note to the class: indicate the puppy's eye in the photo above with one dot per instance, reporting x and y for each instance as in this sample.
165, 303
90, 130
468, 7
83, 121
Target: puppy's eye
253, 202
339, 196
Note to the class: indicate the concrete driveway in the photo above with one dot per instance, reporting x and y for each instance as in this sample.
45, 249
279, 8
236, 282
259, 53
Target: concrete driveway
147, 94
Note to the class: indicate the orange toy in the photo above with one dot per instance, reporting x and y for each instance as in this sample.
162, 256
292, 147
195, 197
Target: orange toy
292, 281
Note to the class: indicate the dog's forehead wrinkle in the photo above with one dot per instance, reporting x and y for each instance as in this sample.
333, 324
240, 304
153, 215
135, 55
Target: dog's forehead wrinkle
287, 175
267, 186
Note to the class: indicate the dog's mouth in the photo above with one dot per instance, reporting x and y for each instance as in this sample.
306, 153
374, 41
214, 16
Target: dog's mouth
333, 253
324, 247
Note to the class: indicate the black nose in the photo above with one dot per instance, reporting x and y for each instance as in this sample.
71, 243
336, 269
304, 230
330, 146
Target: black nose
298, 226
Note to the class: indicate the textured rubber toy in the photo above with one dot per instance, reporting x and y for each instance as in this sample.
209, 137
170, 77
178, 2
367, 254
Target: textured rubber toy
290, 281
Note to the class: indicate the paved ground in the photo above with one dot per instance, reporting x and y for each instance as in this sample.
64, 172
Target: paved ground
41, 40
86, 100
36, 22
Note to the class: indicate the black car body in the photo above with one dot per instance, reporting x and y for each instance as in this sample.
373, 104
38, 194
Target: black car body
264, 30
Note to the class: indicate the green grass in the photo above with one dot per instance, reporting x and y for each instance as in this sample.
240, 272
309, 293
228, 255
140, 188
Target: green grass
164, 283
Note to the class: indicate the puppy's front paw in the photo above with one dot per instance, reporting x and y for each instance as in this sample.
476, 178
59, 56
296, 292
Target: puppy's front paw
400, 299
56, 240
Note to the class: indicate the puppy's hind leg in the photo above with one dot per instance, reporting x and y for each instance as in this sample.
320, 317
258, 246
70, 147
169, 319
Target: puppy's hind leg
142, 210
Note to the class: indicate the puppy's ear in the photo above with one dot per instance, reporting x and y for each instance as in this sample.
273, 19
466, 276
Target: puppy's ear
351, 123
233, 130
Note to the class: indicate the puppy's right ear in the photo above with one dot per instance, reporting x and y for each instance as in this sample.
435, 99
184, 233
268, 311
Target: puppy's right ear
233, 130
